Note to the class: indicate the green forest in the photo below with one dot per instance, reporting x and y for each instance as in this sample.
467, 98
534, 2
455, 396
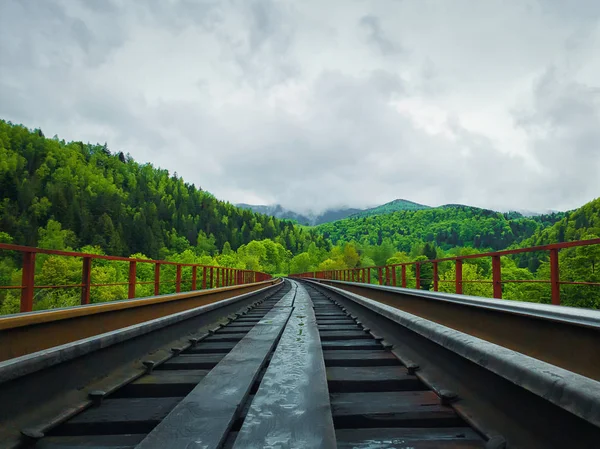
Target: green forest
85, 197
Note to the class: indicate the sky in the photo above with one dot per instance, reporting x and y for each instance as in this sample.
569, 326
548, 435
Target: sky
322, 104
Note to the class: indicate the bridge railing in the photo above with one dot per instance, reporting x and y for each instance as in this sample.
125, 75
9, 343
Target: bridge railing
202, 276
388, 274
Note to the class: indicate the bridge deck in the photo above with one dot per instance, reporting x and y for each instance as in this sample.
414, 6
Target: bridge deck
303, 369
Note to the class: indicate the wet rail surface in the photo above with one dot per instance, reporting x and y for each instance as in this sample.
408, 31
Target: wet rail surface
300, 369
124, 418
376, 402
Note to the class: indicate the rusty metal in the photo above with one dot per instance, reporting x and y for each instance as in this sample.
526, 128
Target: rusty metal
497, 277
554, 276
496, 270
86, 276
28, 281
28, 286
132, 279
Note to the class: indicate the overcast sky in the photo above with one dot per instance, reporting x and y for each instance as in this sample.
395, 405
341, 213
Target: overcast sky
317, 104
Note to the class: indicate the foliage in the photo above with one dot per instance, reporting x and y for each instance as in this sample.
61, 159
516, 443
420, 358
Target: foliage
108, 200
446, 227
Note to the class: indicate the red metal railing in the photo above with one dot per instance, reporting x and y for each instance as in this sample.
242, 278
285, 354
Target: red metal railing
387, 274
210, 276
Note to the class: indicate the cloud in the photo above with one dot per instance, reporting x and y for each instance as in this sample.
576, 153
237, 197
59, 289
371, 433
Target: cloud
377, 37
316, 105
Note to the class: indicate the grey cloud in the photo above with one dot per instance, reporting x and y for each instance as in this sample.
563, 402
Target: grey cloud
288, 102
377, 37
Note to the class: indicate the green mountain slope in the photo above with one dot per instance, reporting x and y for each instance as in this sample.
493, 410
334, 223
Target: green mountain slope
114, 202
580, 224
446, 226
388, 208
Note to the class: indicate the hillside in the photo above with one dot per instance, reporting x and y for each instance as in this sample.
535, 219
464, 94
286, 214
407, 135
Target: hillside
388, 208
580, 224
118, 204
446, 226
280, 212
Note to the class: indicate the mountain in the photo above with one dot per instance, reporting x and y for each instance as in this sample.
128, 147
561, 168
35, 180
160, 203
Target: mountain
309, 219
447, 226
392, 206
109, 200
580, 224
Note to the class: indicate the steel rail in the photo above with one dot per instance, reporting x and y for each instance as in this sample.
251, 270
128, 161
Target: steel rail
39, 391
562, 336
345, 371
29, 332
522, 401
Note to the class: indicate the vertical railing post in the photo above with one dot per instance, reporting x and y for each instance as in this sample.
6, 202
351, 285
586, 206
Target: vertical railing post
86, 280
497, 277
435, 277
203, 278
458, 276
417, 275
156, 279
368, 276
132, 279
387, 275
555, 277
380, 275
194, 277
178, 279
211, 277
28, 281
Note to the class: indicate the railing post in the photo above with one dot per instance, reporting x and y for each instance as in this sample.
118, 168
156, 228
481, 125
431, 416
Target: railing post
368, 275
497, 277
458, 276
387, 275
178, 279
28, 281
156, 279
403, 276
555, 277
435, 277
211, 277
194, 277
86, 280
418, 275
203, 278
132, 279
380, 275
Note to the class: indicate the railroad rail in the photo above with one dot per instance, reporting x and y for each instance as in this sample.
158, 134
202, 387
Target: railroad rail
300, 364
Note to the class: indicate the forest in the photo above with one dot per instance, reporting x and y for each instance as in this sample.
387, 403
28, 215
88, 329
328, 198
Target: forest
85, 197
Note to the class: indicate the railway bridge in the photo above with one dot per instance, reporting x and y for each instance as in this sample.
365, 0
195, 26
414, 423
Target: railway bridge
349, 359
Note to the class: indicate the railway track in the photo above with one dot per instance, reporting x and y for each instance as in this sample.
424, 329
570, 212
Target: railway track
302, 365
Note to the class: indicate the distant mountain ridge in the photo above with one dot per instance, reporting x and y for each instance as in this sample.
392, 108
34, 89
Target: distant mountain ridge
278, 211
397, 205
392, 206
